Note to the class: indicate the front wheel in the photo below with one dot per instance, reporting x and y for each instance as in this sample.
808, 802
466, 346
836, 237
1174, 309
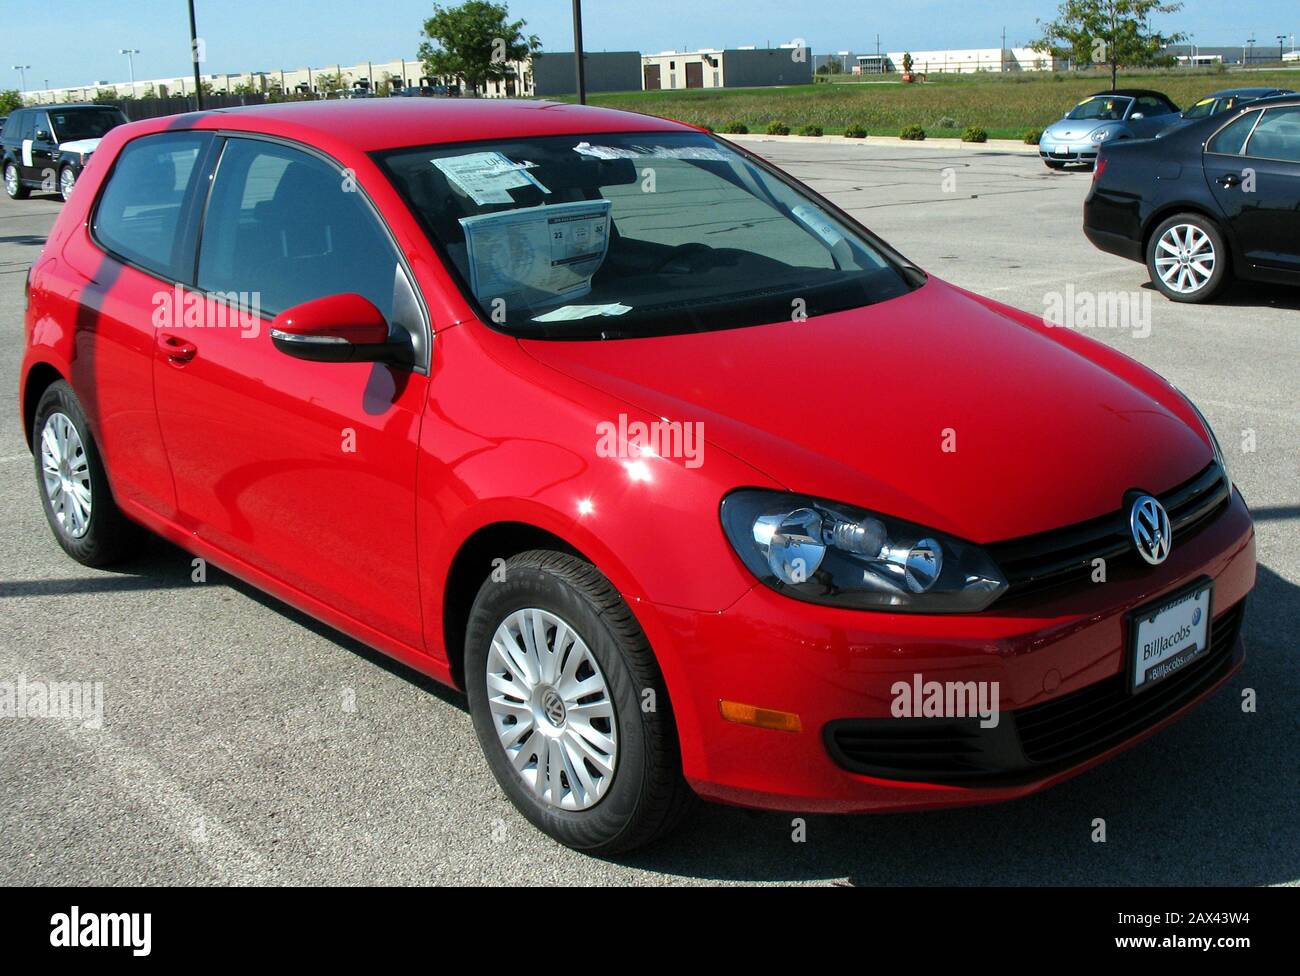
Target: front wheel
13, 184
570, 707
1187, 258
67, 183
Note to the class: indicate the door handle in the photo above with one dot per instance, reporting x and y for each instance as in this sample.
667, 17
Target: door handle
176, 349
1228, 180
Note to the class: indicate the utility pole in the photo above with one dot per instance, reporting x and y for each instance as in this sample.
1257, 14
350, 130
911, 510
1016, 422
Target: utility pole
194, 56
1002, 52
22, 70
1281, 39
579, 73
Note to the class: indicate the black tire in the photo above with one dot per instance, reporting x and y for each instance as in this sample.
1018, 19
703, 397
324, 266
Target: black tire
18, 191
647, 795
109, 536
1054, 164
1221, 273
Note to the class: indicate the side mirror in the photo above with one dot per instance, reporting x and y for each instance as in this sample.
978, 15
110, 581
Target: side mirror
342, 328
42, 135
1137, 115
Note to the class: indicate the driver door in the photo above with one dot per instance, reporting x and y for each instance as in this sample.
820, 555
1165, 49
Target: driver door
303, 470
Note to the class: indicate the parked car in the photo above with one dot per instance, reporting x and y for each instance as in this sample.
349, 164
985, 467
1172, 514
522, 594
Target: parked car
1214, 200
46, 147
686, 507
1216, 103
1124, 113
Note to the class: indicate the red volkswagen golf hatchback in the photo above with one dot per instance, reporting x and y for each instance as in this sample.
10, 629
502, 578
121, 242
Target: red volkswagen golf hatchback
691, 483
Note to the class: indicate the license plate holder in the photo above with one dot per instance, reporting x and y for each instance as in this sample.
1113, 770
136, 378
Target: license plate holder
1167, 635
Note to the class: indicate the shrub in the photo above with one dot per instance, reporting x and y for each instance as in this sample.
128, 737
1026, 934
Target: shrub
736, 128
974, 133
776, 128
855, 131
811, 130
1033, 137
946, 122
912, 132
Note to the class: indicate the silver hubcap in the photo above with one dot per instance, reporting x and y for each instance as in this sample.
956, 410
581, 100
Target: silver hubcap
67, 181
11, 180
66, 472
1185, 258
552, 709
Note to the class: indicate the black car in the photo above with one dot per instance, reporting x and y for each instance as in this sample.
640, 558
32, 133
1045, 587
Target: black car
1211, 200
1216, 103
45, 147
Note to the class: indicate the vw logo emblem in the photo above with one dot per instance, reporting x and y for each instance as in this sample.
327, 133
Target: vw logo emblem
553, 706
1149, 523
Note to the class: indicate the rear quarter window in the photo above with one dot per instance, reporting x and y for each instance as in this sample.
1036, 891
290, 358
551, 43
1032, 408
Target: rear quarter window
138, 217
1231, 139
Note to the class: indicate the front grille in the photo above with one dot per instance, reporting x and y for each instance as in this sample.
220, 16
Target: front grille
1064, 557
1101, 715
1030, 741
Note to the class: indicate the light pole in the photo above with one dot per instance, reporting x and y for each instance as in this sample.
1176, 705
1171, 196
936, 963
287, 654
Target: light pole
130, 53
22, 70
1281, 39
580, 74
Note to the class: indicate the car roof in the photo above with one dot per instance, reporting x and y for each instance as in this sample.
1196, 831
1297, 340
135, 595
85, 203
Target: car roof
375, 124
1227, 92
1131, 93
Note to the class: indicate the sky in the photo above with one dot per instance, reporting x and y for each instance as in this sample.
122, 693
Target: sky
75, 42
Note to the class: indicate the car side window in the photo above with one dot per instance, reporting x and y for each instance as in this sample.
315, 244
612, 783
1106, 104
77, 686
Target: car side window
284, 227
1277, 136
138, 217
1149, 105
12, 125
1231, 139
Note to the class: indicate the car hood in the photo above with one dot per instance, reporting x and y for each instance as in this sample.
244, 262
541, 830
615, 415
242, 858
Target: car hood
83, 146
1071, 130
932, 407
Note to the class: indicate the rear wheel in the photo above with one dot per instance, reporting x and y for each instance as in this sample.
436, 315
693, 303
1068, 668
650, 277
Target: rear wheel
1187, 258
13, 185
570, 707
74, 486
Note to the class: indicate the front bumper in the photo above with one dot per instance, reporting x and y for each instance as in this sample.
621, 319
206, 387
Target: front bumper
835, 669
1068, 152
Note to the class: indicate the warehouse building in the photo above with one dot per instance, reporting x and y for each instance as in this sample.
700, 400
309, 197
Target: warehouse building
743, 67
605, 71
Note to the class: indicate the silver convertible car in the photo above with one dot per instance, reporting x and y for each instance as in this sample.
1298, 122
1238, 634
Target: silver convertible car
1125, 113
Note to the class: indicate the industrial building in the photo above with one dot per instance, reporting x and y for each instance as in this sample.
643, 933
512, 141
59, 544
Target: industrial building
741, 67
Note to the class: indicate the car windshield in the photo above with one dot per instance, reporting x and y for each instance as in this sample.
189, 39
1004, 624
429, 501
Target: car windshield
1202, 109
86, 123
1101, 108
629, 235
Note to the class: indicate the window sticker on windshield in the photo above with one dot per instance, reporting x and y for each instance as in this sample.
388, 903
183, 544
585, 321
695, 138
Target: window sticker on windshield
567, 313
486, 177
826, 231
653, 152
537, 255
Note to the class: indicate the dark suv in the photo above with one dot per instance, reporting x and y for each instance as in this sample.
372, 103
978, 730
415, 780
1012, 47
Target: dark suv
45, 147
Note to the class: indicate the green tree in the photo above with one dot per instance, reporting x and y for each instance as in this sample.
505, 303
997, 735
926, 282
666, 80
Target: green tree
329, 83
474, 42
10, 99
1113, 32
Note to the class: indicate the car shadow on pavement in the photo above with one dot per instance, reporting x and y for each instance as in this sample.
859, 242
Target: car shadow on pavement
1252, 294
1211, 800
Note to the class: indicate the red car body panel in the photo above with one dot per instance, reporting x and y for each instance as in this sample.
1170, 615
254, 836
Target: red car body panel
234, 454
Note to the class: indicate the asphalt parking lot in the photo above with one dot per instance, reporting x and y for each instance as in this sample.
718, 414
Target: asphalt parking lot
244, 743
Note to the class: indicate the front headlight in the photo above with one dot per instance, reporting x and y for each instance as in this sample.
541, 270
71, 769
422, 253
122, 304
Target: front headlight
1101, 135
840, 555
